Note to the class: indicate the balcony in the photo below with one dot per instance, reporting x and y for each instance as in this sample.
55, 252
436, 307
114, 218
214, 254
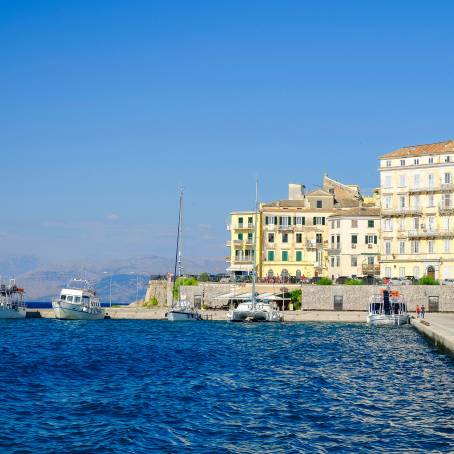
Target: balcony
430, 233
401, 212
334, 249
311, 245
228, 259
447, 187
234, 243
288, 228
446, 208
248, 226
244, 259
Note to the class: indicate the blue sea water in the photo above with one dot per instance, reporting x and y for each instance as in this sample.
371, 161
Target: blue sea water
211, 387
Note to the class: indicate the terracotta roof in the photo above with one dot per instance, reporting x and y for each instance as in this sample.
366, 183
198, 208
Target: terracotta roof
421, 150
359, 211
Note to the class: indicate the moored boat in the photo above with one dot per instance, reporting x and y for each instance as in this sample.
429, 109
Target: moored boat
387, 309
78, 302
12, 301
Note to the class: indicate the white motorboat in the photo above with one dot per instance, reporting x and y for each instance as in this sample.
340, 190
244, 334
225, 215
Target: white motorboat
12, 301
255, 310
181, 309
387, 309
78, 302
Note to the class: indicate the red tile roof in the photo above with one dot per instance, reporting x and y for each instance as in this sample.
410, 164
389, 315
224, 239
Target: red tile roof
421, 150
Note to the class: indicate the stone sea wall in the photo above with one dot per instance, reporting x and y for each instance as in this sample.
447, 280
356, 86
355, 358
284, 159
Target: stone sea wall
314, 297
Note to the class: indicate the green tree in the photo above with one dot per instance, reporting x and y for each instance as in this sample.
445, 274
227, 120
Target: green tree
153, 302
204, 277
354, 282
295, 296
183, 281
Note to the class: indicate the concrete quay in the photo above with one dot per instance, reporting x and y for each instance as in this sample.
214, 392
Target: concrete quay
439, 329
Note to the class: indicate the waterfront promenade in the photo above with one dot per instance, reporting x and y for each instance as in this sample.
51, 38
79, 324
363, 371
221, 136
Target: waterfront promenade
439, 328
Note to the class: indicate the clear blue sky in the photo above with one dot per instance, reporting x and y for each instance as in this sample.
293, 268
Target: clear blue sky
107, 106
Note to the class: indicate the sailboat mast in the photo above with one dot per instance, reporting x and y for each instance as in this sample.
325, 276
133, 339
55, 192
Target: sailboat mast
255, 242
177, 268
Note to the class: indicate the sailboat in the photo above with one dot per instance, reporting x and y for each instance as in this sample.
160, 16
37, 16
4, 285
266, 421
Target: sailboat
181, 309
255, 310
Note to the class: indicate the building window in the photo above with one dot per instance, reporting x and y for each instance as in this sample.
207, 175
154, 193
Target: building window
250, 236
388, 201
299, 256
448, 159
319, 221
371, 239
402, 271
354, 223
285, 256
332, 262
430, 201
270, 256
270, 237
299, 220
240, 236
240, 221
318, 238
354, 260
387, 225
401, 247
416, 202
402, 181
416, 161
270, 220
402, 201
319, 204
416, 180
402, 162
250, 220
388, 247
448, 178
431, 160
285, 237
354, 240
370, 260
388, 163
337, 260
338, 222
299, 238
388, 181
370, 223
447, 246
414, 247
270, 273
430, 246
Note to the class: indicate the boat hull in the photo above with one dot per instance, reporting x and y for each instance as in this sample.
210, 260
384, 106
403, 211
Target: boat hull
182, 316
388, 320
71, 312
9, 313
255, 316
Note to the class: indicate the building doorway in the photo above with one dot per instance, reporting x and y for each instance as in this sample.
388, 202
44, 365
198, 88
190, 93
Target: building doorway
431, 272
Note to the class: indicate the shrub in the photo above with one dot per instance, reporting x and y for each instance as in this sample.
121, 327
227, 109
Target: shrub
324, 281
428, 280
153, 302
354, 282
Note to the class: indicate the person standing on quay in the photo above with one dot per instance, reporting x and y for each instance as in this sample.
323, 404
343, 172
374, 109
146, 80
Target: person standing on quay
423, 311
418, 311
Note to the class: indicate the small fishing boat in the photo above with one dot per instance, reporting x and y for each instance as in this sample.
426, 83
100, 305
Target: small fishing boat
181, 309
78, 302
387, 309
12, 301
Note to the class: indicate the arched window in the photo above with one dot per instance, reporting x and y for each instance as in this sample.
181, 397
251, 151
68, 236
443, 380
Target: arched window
284, 273
270, 273
298, 274
431, 271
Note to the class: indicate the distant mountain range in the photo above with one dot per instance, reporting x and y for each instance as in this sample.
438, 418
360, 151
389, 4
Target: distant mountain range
43, 281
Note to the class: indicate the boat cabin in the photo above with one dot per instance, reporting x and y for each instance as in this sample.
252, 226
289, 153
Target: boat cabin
389, 303
84, 297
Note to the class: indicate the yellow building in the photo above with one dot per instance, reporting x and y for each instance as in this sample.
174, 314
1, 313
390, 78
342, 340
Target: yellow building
417, 201
292, 234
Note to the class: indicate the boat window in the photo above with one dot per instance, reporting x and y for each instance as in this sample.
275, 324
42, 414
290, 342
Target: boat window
69, 298
86, 299
63, 297
77, 299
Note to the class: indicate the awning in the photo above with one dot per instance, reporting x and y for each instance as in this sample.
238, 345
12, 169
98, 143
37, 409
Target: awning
235, 296
240, 268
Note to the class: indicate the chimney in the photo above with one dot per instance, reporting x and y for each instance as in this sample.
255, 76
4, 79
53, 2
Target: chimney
296, 191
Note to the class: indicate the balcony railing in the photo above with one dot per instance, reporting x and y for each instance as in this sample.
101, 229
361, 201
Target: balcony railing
235, 243
244, 226
446, 208
286, 227
430, 233
247, 259
371, 269
401, 211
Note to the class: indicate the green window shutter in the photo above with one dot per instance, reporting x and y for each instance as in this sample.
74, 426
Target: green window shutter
275, 220
270, 256
289, 220
298, 256
240, 236
303, 221
266, 220
375, 239
284, 256
314, 221
323, 221
366, 239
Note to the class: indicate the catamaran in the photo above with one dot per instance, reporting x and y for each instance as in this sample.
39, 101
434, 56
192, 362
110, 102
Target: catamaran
12, 301
387, 308
181, 309
255, 310
78, 301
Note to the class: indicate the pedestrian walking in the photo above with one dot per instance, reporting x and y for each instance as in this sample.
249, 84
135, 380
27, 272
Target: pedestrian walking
423, 311
418, 311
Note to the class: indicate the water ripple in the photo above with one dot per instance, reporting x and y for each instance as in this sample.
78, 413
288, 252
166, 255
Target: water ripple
143, 386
